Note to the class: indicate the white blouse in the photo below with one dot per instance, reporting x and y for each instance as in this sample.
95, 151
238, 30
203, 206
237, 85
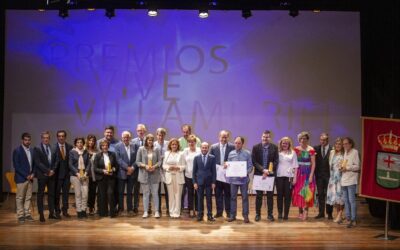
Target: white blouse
350, 177
287, 164
189, 157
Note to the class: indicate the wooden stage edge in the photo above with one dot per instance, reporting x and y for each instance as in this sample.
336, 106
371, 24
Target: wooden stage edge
185, 233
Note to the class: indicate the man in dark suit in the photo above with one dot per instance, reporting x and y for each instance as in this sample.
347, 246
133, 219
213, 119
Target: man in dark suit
222, 190
24, 173
322, 175
44, 173
61, 168
262, 155
126, 157
204, 178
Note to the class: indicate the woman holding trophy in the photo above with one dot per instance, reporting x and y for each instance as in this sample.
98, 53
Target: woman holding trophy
79, 165
350, 169
106, 168
148, 159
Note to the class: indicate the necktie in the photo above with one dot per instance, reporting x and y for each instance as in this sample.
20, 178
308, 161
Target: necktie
323, 152
128, 152
62, 152
48, 153
141, 142
204, 160
222, 154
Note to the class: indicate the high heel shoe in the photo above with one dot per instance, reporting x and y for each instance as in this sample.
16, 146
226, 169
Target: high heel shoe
338, 217
305, 215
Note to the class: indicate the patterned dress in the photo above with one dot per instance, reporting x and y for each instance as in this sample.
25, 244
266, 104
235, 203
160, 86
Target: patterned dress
303, 174
334, 193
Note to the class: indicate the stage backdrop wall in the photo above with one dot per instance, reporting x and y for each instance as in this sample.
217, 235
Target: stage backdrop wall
270, 71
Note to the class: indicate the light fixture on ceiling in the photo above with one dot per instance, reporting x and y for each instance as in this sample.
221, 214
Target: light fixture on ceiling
246, 13
203, 13
152, 12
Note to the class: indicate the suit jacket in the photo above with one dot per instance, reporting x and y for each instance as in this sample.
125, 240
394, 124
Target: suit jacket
322, 163
99, 165
123, 160
42, 163
21, 164
137, 142
174, 159
142, 159
60, 165
74, 162
215, 150
204, 174
257, 158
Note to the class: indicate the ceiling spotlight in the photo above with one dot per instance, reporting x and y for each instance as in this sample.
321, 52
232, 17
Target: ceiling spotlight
110, 12
63, 13
152, 12
293, 12
203, 13
246, 14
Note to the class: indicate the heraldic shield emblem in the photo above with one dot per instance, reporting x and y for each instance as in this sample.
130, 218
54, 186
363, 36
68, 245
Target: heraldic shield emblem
388, 169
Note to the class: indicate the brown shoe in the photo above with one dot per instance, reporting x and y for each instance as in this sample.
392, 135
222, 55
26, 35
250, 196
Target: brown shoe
246, 220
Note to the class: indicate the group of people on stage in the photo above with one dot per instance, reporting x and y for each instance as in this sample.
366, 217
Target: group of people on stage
186, 168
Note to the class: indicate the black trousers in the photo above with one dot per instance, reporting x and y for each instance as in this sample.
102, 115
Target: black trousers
166, 196
200, 199
284, 193
50, 183
92, 194
190, 191
223, 197
64, 185
322, 187
106, 196
128, 183
270, 202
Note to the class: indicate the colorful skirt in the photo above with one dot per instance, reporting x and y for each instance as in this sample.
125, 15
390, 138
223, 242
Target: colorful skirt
303, 194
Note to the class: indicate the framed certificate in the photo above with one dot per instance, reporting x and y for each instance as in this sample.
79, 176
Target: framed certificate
236, 169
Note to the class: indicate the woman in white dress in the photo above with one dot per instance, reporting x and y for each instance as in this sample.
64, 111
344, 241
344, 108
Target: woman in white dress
174, 165
334, 193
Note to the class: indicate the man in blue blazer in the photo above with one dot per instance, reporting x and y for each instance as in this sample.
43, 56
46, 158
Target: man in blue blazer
204, 178
61, 168
24, 173
126, 157
221, 151
44, 173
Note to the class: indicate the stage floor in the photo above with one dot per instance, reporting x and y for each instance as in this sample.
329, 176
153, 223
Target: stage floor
187, 233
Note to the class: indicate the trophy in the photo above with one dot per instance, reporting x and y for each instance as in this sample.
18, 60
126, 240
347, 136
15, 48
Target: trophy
82, 174
108, 168
342, 166
150, 163
271, 168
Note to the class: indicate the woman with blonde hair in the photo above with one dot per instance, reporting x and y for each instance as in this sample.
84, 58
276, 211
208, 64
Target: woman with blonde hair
304, 180
174, 165
334, 193
286, 169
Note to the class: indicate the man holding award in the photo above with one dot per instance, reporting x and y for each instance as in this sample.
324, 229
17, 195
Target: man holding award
238, 168
265, 157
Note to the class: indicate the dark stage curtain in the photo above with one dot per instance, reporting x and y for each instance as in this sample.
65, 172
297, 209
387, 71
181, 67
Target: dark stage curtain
380, 67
